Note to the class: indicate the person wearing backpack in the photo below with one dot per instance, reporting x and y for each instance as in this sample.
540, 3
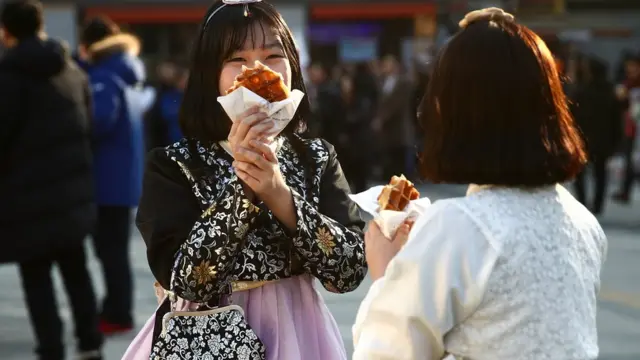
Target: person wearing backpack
119, 103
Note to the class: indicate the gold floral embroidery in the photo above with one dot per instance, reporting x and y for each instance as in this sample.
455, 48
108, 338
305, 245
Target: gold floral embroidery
325, 241
210, 210
241, 230
204, 273
331, 288
246, 204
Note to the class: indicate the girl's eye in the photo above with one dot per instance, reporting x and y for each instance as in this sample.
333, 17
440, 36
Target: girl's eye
237, 59
275, 56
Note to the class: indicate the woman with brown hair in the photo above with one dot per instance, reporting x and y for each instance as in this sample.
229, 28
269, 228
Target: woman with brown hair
512, 270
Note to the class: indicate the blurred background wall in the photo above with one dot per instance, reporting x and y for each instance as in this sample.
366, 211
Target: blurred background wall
340, 31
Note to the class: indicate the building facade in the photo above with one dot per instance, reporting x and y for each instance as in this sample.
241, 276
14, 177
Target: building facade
330, 31
338, 31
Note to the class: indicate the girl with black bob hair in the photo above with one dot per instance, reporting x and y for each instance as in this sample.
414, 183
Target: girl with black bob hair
237, 218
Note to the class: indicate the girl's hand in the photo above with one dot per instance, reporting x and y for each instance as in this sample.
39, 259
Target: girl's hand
249, 125
379, 250
258, 167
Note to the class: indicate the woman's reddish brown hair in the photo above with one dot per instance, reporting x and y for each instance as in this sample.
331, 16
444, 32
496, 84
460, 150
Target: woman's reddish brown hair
495, 112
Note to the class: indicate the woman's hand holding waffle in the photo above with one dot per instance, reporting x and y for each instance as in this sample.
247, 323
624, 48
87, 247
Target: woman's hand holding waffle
392, 205
257, 166
250, 125
379, 249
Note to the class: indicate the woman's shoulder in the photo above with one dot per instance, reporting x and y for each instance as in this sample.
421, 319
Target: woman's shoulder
318, 149
163, 155
316, 144
168, 155
167, 160
449, 235
182, 153
452, 219
185, 150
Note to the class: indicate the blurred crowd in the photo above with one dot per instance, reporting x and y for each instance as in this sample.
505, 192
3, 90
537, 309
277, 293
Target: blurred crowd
367, 111
607, 110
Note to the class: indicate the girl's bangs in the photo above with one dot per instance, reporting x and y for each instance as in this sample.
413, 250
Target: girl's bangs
238, 30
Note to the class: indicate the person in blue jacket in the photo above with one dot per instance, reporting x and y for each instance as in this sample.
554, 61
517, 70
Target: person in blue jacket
116, 75
162, 119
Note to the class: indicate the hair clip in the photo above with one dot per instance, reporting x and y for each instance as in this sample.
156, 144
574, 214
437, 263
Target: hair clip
240, 2
488, 14
245, 3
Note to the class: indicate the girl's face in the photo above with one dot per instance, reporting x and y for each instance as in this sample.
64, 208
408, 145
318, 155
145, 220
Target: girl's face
263, 46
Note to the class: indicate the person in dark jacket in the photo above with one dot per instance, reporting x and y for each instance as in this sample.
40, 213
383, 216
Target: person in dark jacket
394, 120
46, 184
598, 115
116, 75
352, 132
628, 94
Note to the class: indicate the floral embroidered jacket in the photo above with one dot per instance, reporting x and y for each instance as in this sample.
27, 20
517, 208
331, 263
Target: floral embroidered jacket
196, 224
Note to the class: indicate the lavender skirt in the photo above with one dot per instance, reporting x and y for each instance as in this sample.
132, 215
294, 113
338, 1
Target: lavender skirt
289, 316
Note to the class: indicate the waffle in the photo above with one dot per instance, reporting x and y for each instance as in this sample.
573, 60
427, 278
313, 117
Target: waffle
397, 194
263, 81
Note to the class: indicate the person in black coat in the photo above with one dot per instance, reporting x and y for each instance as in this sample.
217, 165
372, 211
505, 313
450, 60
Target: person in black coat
46, 185
598, 115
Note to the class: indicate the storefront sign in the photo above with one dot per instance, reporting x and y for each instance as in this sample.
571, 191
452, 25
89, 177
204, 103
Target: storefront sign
358, 49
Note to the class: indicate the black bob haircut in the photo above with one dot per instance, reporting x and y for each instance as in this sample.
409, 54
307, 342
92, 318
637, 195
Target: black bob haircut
22, 18
495, 112
202, 118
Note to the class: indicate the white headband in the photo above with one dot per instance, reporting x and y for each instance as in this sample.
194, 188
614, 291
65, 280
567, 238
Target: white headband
232, 2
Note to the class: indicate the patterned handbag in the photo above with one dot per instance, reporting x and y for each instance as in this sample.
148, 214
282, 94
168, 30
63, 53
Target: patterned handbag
216, 333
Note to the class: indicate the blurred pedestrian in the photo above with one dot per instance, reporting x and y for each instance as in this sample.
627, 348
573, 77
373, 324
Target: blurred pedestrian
628, 94
352, 133
46, 184
162, 120
116, 75
598, 115
365, 83
621, 71
393, 120
324, 96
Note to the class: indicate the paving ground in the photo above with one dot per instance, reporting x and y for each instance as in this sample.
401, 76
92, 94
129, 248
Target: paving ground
619, 305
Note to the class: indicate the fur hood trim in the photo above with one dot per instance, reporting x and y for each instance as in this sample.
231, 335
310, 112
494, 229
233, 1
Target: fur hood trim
122, 42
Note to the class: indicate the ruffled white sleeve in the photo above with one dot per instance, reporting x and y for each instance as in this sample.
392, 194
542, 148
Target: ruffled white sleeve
436, 281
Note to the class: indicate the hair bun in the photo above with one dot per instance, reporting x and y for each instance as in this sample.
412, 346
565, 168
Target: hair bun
488, 14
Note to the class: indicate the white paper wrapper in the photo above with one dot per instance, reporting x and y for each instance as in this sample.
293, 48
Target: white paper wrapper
280, 112
388, 220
